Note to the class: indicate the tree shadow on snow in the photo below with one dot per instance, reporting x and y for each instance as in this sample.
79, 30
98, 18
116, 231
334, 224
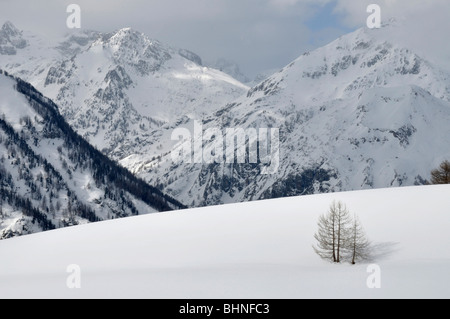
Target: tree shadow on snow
380, 251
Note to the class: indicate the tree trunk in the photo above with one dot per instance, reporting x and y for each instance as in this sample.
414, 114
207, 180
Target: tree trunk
354, 250
334, 242
339, 243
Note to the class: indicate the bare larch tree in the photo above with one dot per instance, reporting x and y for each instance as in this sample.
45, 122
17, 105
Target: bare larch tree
333, 233
359, 246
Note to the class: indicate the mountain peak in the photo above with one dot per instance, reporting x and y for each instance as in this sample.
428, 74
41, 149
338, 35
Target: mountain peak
128, 38
10, 29
128, 32
11, 39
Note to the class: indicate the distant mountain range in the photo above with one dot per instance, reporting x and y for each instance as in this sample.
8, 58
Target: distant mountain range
360, 112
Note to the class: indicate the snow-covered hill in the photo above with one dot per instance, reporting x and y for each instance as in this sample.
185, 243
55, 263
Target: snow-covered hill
115, 89
50, 177
250, 250
361, 112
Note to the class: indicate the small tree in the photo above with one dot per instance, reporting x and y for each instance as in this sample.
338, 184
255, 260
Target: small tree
442, 174
340, 237
333, 234
358, 244
325, 236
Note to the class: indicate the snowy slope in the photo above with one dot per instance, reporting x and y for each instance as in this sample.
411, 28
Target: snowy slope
361, 112
249, 250
50, 177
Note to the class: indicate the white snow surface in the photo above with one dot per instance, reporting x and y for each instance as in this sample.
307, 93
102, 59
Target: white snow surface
250, 250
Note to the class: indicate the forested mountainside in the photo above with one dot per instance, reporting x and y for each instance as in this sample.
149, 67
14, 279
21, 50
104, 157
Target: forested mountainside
50, 177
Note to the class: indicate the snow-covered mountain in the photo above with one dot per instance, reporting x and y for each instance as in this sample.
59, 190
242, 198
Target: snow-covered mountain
115, 89
361, 112
30, 56
11, 39
50, 177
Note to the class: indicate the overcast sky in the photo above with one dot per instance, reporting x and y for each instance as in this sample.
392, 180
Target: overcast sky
256, 34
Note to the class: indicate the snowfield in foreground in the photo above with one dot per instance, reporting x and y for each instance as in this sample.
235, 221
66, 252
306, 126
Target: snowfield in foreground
250, 250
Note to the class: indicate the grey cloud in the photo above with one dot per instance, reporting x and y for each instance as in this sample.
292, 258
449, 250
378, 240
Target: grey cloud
258, 34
